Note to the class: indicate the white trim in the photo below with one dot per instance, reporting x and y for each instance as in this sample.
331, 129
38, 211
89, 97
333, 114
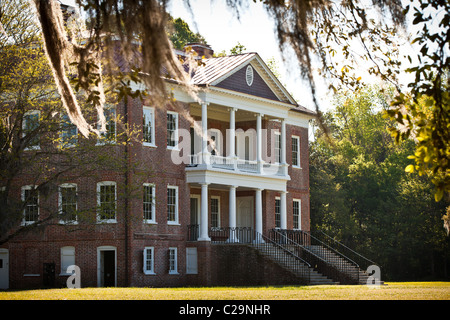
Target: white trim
106, 183
153, 125
176, 206
99, 250
191, 260
249, 75
175, 261
150, 271
177, 140
150, 221
225, 177
69, 252
299, 214
298, 166
67, 185
101, 140
29, 187
218, 211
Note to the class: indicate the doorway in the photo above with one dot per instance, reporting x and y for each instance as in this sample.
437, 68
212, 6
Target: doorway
245, 212
106, 266
194, 231
4, 269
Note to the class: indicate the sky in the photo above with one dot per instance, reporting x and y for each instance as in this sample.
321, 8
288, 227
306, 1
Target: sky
222, 29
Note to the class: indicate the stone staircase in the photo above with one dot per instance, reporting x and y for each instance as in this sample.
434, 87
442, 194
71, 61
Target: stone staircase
292, 263
360, 276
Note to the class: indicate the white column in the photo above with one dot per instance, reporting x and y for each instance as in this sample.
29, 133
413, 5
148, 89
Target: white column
283, 147
232, 214
232, 133
258, 211
259, 143
283, 214
204, 214
205, 153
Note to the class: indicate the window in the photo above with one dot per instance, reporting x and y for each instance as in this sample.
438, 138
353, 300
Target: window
277, 147
30, 124
67, 259
173, 261
149, 260
30, 197
172, 130
149, 203
296, 211
109, 136
69, 132
277, 213
68, 202
172, 205
148, 126
191, 261
215, 212
106, 198
296, 151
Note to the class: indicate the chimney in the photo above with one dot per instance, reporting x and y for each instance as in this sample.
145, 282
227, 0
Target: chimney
201, 49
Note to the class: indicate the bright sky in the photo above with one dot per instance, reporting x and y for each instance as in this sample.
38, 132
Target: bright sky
255, 30
222, 29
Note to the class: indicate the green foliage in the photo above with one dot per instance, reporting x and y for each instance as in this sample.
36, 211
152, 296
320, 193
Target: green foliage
424, 114
361, 194
181, 34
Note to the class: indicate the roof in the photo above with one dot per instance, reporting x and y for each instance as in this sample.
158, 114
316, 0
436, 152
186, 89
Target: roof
215, 70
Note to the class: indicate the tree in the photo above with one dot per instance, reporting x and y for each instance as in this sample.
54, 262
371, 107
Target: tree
361, 195
38, 142
180, 33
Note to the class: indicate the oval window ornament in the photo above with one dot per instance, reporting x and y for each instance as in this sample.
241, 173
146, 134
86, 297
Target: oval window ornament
249, 75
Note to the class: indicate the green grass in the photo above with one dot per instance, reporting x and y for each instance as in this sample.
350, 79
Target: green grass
391, 291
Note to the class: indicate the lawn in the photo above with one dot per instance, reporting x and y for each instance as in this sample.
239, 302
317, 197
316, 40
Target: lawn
391, 291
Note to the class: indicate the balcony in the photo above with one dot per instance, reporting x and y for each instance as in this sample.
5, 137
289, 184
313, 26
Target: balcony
236, 165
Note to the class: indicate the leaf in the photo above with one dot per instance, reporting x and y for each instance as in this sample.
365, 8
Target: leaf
409, 168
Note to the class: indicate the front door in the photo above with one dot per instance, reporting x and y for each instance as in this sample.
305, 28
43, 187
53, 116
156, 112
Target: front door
195, 217
4, 269
107, 267
244, 212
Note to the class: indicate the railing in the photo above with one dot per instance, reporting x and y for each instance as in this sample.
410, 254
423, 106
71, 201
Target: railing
275, 250
236, 164
362, 261
324, 258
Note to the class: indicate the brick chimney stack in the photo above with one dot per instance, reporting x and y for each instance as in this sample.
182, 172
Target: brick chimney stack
201, 49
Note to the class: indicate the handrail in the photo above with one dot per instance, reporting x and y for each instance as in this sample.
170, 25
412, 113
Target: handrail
338, 271
368, 261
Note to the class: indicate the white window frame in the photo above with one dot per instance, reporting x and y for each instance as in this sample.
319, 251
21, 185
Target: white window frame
102, 139
299, 201
149, 269
175, 222
28, 222
99, 185
297, 138
24, 122
191, 261
67, 185
218, 211
151, 112
277, 149
275, 205
67, 259
173, 260
175, 147
153, 206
